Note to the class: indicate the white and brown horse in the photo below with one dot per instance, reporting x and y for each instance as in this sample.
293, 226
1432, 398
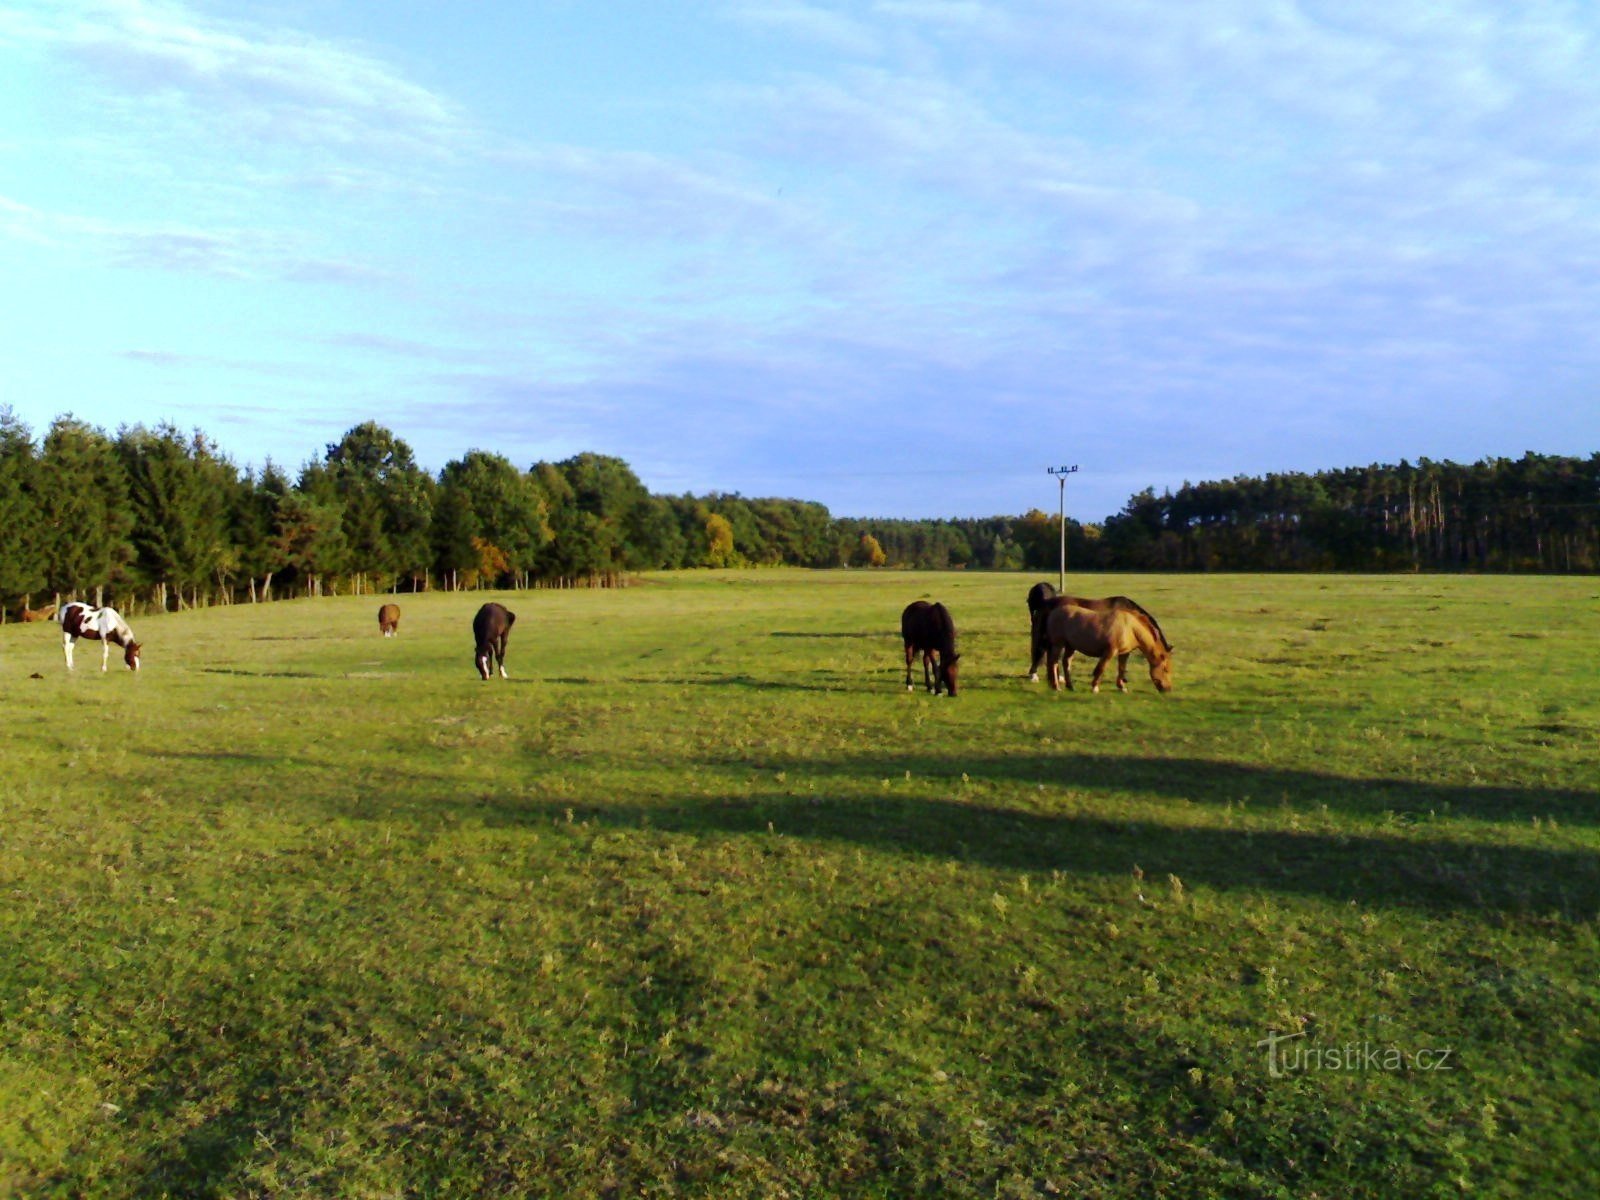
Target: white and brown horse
1102, 634
103, 625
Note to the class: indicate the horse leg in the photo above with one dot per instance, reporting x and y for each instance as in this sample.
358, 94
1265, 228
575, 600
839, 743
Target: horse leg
1054, 669
1099, 670
105, 652
500, 656
927, 674
1122, 672
66, 645
911, 653
1037, 649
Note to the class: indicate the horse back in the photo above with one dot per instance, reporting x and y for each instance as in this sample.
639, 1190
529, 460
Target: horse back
77, 620
492, 621
1091, 631
928, 627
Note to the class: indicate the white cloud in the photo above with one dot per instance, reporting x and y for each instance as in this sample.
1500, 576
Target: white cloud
223, 253
828, 27
274, 84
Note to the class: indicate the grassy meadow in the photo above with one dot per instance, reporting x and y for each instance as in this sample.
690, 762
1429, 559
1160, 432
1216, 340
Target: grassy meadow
701, 902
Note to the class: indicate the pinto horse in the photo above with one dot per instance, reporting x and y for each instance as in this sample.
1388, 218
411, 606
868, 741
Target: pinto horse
1042, 607
103, 625
1101, 634
928, 630
490, 629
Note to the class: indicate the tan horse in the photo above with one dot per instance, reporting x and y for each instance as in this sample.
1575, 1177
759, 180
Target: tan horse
1101, 635
1042, 606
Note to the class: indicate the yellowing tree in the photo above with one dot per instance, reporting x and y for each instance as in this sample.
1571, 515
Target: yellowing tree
868, 553
719, 535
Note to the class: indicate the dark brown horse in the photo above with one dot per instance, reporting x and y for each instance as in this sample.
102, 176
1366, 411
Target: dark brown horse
1102, 634
1038, 595
490, 629
928, 630
1039, 643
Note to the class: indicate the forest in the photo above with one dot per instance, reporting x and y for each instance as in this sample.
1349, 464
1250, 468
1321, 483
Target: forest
165, 519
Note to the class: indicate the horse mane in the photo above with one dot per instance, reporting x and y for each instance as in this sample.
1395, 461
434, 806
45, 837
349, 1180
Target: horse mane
1151, 627
1135, 606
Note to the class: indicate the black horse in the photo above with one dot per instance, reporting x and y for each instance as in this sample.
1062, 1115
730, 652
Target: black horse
928, 629
490, 628
1038, 596
1047, 601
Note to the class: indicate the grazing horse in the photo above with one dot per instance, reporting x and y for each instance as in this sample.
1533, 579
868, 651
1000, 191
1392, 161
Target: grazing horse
928, 629
1101, 634
103, 625
1040, 642
490, 628
389, 620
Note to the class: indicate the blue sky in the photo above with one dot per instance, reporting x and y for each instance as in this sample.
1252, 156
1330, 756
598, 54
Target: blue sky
895, 255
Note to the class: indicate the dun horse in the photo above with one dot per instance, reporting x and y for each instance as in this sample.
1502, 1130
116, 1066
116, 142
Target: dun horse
1102, 634
490, 629
928, 630
1043, 605
103, 625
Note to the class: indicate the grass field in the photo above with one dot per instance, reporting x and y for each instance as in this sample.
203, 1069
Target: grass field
702, 903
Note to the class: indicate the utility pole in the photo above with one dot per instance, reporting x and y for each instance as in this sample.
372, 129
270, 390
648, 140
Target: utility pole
1061, 474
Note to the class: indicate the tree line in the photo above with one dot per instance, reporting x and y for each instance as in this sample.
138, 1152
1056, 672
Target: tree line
1537, 513
164, 518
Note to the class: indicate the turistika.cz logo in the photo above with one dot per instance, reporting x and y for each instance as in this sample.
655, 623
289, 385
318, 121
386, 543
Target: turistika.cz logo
1288, 1053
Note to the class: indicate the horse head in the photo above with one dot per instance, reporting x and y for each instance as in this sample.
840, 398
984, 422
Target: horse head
948, 665
1160, 671
130, 655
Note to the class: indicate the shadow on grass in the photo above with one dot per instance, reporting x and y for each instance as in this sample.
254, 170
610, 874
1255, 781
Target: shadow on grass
886, 635
269, 674
1215, 783
1402, 872
749, 682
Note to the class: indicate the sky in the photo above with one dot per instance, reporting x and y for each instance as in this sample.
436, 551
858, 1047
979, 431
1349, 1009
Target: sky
898, 256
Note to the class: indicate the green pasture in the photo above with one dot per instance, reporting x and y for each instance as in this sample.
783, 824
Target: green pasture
701, 902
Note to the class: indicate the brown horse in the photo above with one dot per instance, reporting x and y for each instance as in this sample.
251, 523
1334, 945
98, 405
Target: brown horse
490, 629
1042, 606
389, 620
1101, 634
928, 629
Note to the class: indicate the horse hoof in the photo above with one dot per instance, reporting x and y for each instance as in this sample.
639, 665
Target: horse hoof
1034, 678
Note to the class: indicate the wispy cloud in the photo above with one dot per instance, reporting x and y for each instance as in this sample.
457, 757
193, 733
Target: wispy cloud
275, 83
222, 253
833, 28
